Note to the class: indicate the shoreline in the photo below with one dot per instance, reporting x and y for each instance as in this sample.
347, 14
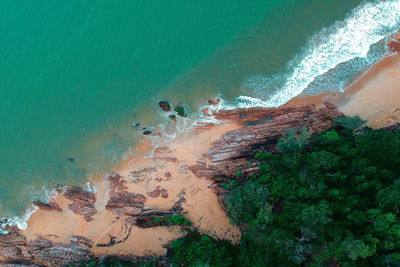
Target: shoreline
145, 180
372, 96
165, 178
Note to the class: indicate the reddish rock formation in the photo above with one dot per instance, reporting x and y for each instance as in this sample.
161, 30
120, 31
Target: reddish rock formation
116, 182
124, 203
44, 252
214, 101
262, 129
121, 202
82, 201
10, 246
13, 248
51, 205
394, 44
157, 192
81, 240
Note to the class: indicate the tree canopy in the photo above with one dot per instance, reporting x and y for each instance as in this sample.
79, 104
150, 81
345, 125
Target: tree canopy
328, 198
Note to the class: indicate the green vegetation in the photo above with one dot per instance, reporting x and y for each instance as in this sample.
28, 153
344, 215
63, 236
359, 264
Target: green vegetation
201, 250
172, 220
330, 198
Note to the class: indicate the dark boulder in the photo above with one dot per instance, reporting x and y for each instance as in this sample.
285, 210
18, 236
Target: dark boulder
164, 105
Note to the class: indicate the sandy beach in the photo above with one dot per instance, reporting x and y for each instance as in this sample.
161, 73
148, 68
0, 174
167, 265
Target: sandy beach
166, 169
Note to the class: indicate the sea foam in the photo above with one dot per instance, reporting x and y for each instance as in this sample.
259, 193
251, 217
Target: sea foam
342, 42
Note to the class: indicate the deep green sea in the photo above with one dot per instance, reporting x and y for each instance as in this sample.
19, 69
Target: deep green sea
75, 75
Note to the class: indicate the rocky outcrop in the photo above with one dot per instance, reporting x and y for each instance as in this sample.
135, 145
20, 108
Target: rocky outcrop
81, 240
15, 251
394, 43
51, 205
12, 246
82, 201
262, 127
157, 192
43, 252
214, 101
124, 203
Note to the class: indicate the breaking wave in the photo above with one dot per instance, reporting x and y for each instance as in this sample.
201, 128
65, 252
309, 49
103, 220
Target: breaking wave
337, 53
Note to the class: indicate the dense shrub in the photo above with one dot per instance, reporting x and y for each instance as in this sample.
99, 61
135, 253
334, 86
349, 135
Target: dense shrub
245, 202
201, 250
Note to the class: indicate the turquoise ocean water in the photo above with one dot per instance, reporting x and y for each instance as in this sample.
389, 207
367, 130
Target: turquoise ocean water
75, 75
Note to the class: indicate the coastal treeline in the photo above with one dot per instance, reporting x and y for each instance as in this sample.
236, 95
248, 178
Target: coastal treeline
328, 199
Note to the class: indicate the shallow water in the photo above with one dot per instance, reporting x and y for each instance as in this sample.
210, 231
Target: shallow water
75, 75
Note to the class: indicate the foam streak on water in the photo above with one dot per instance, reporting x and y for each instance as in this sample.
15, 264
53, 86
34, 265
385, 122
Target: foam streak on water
341, 42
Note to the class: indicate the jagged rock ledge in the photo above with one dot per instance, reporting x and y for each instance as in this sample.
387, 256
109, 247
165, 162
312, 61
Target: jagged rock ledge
262, 127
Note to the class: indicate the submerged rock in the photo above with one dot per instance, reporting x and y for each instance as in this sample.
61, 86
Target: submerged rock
172, 117
164, 105
214, 101
147, 132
